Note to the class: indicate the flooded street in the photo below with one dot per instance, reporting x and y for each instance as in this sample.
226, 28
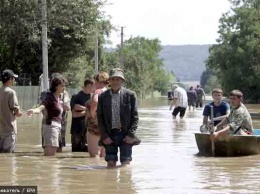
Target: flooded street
165, 161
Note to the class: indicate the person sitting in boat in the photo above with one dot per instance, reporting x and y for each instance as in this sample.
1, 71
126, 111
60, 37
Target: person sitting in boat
239, 120
221, 109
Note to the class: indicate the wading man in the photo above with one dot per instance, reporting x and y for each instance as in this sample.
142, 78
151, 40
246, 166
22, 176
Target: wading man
78, 108
179, 102
117, 120
200, 95
9, 110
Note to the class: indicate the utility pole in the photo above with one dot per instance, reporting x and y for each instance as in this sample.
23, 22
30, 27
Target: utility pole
96, 53
122, 49
44, 46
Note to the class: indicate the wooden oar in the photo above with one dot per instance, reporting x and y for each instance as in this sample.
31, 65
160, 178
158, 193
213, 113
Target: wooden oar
212, 130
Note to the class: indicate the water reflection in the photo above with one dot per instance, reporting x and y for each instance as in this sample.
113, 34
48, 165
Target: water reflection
165, 161
228, 174
51, 176
8, 169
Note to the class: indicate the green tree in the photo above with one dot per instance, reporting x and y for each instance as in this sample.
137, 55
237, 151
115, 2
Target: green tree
205, 76
144, 70
212, 82
72, 27
236, 57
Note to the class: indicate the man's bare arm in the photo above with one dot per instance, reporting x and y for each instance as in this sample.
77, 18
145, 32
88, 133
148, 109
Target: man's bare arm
78, 107
222, 123
173, 103
222, 132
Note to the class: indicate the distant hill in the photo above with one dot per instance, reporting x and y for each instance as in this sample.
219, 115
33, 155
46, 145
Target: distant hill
186, 61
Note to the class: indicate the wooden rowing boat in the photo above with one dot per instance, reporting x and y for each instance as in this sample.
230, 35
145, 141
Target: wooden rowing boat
231, 145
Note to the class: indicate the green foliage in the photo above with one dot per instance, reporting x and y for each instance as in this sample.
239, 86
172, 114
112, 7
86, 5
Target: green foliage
144, 70
79, 70
72, 27
204, 77
211, 83
236, 57
164, 81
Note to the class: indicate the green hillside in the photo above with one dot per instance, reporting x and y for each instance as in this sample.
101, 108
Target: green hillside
186, 61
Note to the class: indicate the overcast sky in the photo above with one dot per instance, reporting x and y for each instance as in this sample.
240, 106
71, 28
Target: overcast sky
174, 22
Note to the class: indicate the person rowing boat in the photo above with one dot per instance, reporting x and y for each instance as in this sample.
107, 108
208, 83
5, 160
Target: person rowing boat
239, 120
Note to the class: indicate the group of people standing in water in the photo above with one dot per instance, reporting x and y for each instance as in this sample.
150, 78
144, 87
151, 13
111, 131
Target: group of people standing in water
182, 99
104, 116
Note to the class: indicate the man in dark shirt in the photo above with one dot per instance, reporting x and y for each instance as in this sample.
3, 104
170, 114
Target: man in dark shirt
192, 97
221, 109
78, 108
200, 94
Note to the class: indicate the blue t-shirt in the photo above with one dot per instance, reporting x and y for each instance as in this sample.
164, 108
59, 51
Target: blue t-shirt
217, 110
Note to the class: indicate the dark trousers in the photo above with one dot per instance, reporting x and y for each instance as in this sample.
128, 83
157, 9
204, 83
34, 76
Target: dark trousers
78, 142
178, 110
199, 103
112, 149
78, 135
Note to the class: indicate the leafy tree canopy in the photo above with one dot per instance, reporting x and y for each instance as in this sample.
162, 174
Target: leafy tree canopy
236, 58
72, 27
144, 70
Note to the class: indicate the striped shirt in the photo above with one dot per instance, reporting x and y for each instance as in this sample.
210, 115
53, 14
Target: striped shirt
115, 102
182, 98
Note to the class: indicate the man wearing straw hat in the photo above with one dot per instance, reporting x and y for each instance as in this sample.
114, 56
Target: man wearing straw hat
117, 119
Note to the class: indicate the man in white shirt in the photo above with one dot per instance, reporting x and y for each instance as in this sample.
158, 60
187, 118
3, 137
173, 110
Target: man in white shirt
180, 101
